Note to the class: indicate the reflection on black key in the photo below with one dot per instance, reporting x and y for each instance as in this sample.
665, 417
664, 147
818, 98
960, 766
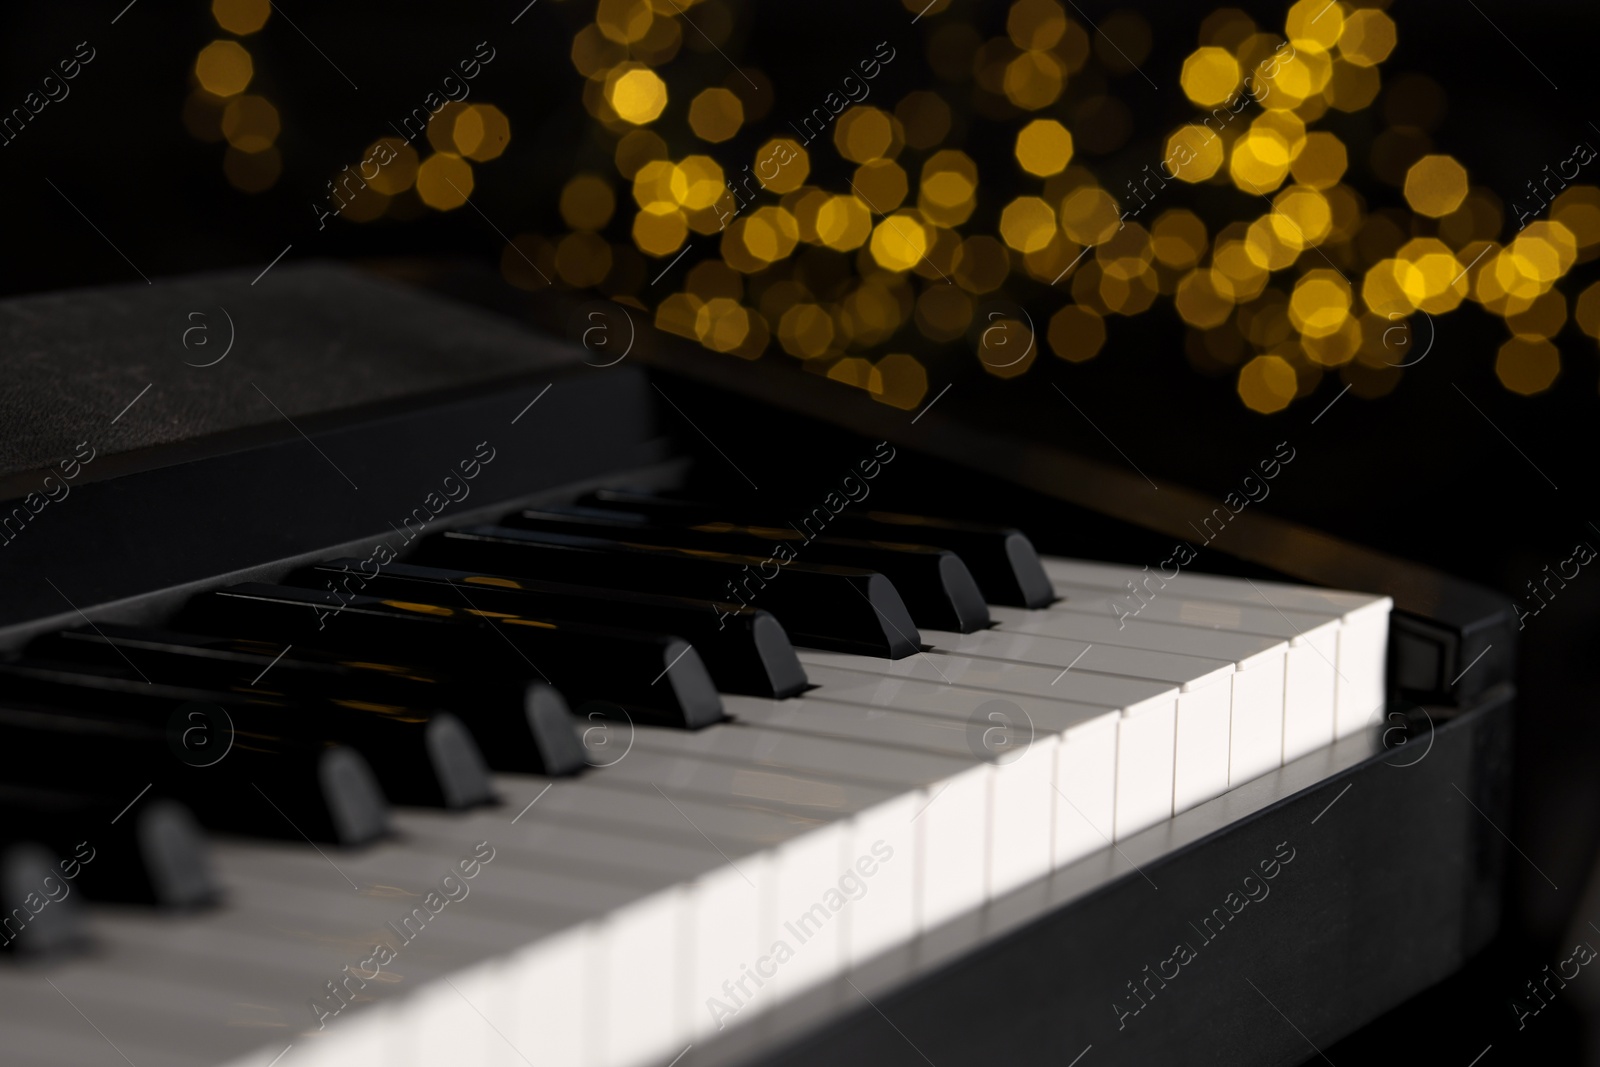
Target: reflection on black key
843, 609
519, 725
150, 852
420, 758
42, 917
264, 785
745, 649
938, 589
1001, 558
649, 676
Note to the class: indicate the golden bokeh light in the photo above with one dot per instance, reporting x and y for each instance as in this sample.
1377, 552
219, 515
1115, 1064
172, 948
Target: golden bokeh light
715, 115
903, 381
444, 181
241, 17
863, 134
1527, 365
1435, 185
624, 21
882, 184
636, 94
587, 202
1193, 153
1368, 37
844, 223
250, 123
1044, 147
659, 229
1210, 75
1027, 224
899, 242
223, 68
1089, 215
1267, 384
1076, 333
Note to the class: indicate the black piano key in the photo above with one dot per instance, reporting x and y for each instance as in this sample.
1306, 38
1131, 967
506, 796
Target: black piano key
1001, 558
42, 916
419, 757
154, 852
519, 725
652, 677
937, 588
745, 649
843, 609
262, 785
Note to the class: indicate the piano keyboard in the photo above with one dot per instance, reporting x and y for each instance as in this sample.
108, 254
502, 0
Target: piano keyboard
749, 818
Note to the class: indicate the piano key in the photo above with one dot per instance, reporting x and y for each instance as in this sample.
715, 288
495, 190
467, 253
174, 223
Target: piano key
1213, 704
1293, 667
1363, 635
417, 756
267, 785
152, 854
1147, 730
1359, 692
745, 649
42, 917
1021, 790
841, 608
519, 725
652, 676
1001, 559
1085, 777
935, 584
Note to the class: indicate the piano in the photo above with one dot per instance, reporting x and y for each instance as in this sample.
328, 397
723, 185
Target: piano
386, 681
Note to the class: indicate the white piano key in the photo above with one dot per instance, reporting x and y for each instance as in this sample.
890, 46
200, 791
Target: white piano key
1362, 661
1021, 800
1146, 733
641, 963
1210, 703
1086, 791
1211, 586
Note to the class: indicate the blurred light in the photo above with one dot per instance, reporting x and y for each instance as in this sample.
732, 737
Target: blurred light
444, 181
899, 242
863, 134
482, 132
1435, 185
1044, 147
1314, 25
771, 234
241, 17
1320, 304
223, 68
587, 202
926, 118
1076, 333
659, 229
1089, 215
1527, 365
1267, 384
1034, 80
1178, 238
250, 123
806, 330
782, 165
1034, 25
716, 115
638, 95
882, 184
1367, 38
1321, 161
1194, 153
947, 190
624, 21
1210, 75
903, 381
844, 223
637, 148
1027, 224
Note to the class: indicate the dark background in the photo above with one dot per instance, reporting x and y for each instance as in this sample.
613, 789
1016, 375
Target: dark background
1492, 494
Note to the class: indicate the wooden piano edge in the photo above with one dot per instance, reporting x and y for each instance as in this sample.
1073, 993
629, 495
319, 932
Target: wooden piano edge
1393, 885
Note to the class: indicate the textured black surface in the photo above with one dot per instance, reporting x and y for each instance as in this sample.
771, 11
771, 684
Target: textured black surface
308, 338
